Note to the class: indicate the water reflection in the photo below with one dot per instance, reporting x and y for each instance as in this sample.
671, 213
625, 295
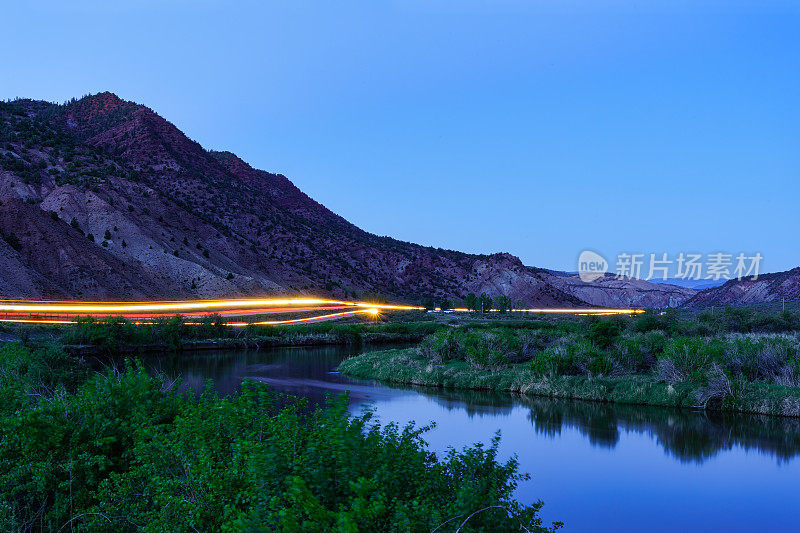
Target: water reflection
687, 436
304, 371
690, 437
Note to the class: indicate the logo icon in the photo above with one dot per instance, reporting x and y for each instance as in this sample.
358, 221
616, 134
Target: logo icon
591, 266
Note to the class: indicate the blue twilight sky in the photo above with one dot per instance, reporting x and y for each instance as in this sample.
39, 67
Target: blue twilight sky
540, 128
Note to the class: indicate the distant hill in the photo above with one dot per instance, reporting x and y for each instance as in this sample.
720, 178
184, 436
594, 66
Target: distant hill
696, 284
103, 198
609, 291
772, 287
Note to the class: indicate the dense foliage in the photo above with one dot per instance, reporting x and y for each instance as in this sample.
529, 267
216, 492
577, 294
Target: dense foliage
719, 352
122, 451
110, 334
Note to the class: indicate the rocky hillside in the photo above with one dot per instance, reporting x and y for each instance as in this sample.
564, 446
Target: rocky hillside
767, 288
608, 291
103, 198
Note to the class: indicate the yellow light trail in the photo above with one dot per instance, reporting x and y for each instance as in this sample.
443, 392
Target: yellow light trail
61, 311
318, 318
572, 311
35, 321
590, 311
43, 307
373, 312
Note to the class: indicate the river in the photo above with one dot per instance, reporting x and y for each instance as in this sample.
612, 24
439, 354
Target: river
597, 467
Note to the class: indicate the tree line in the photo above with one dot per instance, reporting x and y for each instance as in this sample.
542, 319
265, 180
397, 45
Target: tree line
479, 304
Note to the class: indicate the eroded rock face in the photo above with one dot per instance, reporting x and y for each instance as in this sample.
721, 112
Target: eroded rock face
766, 288
608, 291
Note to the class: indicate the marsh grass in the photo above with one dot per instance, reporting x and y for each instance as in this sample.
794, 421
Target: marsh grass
173, 334
606, 360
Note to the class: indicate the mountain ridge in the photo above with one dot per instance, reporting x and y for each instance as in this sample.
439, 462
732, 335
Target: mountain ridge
104, 198
610, 291
190, 222
770, 287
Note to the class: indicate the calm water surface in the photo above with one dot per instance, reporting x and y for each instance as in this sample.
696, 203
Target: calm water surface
596, 467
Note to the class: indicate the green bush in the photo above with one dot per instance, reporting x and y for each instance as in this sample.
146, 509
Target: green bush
481, 348
693, 356
600, 365
604, 333
606, 347
124, 452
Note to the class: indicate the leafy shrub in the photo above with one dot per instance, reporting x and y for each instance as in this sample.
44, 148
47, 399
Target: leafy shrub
600, 365
482, 348
124, 452
490, 350
604, 333
441, 346
652, 320
570, 357
692, 356
761, 358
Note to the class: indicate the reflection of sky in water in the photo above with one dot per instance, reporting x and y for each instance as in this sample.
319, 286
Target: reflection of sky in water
596, 467
634, 485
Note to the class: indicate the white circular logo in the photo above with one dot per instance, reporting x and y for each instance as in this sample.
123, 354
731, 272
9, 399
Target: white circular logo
591, 266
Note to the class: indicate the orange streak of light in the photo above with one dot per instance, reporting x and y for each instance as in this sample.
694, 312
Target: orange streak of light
60, 308
318, 318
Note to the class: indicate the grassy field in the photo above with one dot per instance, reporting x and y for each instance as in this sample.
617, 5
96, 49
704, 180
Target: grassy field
118, 335
407, 367
732, 361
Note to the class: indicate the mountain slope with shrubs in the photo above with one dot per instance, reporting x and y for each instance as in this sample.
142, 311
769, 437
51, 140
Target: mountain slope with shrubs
773, 287
103, 198
611, 291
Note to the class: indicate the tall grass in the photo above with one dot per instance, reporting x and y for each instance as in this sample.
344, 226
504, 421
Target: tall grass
170, 333
717, 363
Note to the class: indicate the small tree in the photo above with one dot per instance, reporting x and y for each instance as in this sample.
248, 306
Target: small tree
471, 302
604, 333
502, 303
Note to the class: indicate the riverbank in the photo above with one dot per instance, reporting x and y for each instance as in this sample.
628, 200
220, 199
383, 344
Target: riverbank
408, 367
115, 449
249, 343
94, 338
